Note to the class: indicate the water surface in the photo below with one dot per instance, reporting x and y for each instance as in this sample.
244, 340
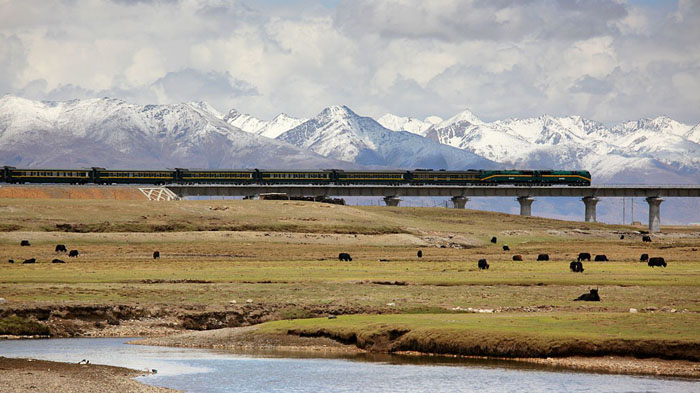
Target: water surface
196, 370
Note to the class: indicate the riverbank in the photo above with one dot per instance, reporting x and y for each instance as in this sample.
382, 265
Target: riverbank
261, 339
30, 375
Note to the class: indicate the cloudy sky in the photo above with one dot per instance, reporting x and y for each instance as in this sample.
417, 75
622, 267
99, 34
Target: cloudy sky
608, 60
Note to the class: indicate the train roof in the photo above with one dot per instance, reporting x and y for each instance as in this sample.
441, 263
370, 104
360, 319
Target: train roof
216, 170
373, 171
47, 169
134, 170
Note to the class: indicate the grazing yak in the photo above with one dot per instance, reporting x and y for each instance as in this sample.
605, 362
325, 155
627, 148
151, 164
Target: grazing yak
57, 261
506, 248
589, 297
420, 254
10, 261
24, 243
646, 239
30, 260
657, 261
73, 254
156, 254
644, 258
584, 256
517, 257
576, 266
543, 257
601, 258
61, 248
494, 240
344, 256
483, 265
622, 237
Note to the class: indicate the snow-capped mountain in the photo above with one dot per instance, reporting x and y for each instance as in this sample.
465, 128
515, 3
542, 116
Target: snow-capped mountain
398, 123
270, 129
116, 134
113, 133
339, 133
643, 151
694, 134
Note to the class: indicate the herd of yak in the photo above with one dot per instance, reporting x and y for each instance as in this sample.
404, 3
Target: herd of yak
61, 248
575, 266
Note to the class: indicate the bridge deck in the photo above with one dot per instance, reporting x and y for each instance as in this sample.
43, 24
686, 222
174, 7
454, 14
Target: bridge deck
437, 191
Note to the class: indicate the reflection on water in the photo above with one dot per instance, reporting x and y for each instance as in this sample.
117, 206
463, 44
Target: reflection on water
194, 370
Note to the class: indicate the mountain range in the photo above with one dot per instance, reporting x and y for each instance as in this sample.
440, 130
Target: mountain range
113, 133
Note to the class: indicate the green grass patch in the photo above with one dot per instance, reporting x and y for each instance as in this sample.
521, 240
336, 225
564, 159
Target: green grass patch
511, 335
18, 326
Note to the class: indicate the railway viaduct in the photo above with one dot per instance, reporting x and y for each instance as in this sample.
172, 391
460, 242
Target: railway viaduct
460, 195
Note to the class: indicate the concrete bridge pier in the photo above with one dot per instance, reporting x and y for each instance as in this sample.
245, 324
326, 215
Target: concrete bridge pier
654, 213
590, 203
525, 205
392, 200
459, 202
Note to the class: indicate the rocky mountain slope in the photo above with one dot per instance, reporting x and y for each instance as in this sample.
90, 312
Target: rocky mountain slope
113, 133
270, 129
339, 133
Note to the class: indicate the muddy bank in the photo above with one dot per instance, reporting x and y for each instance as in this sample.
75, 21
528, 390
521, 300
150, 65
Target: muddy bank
623, 365
501, 345
124, 320
28, 375
250, 339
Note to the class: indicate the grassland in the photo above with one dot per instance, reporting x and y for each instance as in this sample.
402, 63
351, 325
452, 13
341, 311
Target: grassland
282, 256
510, 334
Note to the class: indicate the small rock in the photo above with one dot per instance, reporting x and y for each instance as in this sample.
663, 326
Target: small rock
232, 302
391, 304
633, 310
332, 317
249, 301
2, 300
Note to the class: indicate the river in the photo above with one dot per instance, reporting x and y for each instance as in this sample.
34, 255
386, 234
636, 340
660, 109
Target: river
197, 370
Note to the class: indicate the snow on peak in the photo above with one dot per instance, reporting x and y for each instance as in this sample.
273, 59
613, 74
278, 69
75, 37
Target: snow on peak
398, 123
693, 134
338, 132
243, 121
433, 119
203, 106
659, 124
337, 112
280, 124
466, 116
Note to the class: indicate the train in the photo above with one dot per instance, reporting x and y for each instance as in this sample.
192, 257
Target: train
471, 177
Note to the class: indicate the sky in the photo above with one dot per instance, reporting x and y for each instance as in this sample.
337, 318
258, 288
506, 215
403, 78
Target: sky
606, 60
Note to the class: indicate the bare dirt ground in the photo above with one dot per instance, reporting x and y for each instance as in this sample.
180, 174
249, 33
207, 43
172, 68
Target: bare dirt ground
66, 192
29, 375
246, 339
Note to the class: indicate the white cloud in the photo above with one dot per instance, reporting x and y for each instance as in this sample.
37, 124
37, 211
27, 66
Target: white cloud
605, 59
